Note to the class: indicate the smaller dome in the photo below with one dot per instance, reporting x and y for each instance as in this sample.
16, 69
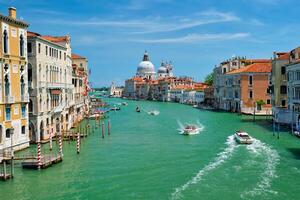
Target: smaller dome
162, 69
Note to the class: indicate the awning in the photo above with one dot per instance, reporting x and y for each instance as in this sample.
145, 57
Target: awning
57, 92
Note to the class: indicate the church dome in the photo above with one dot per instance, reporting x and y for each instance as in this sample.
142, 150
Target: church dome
145, 67
162, 69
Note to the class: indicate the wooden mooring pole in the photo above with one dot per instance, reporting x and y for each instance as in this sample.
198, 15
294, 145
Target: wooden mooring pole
108, 127
102, 129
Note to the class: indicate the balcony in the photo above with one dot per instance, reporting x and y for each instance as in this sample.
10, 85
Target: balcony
9, 99
55, 85
59, 85
25, 98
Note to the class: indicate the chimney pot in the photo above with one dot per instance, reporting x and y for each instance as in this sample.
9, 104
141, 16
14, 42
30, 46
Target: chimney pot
12, 12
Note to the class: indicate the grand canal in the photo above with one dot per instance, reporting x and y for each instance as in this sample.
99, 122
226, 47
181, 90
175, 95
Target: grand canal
146, 158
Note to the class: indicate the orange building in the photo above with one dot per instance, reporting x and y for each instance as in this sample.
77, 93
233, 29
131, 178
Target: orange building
247, 88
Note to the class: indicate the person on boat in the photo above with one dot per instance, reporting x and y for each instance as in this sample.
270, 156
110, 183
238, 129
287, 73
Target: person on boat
137, 109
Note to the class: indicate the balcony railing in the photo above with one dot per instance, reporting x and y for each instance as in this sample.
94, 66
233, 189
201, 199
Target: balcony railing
9, 99
25, 98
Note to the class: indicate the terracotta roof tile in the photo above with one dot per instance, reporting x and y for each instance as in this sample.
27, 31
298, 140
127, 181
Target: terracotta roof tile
285, 56
56, 38
254, 68
76, 56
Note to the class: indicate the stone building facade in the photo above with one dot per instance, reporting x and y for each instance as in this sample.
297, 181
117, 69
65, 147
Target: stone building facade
13, 89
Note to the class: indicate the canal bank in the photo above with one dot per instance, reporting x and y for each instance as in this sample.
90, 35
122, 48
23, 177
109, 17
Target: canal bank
146, 158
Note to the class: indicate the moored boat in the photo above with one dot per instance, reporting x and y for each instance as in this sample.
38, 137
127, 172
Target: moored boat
242, 137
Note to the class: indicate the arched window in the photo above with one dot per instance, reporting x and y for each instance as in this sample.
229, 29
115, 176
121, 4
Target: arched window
23, 130
22, 85
30, 106
41, 103
5, 42
7, 85
21, 45
7, 133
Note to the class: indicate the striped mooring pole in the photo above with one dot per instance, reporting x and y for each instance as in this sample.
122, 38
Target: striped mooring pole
102, 129
39, 155
60, 145
108, 127
78, 143
50, 143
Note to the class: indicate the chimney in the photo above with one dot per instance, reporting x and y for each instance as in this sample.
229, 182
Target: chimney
12, 12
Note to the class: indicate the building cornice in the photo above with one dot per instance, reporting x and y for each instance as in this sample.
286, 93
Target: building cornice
13, 21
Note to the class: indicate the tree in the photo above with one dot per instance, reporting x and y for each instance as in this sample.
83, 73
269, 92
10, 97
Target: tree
209, 79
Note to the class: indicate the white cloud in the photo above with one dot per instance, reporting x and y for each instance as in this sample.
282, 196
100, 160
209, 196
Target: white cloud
191, 38
156, 24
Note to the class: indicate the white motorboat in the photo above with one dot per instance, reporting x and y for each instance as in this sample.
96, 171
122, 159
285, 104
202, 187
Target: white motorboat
195, 106
190, 130
153, 112
243, 138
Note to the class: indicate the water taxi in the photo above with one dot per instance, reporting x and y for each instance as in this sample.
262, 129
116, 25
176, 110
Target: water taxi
242, 137
190, 130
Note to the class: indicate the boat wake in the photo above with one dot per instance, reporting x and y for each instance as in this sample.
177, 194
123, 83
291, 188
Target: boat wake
272, 159
219, 160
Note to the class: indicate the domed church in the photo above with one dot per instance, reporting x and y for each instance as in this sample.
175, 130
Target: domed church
146, 68
165, 70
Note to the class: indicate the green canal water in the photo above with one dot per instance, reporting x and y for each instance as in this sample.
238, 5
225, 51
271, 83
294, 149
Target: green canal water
146, 158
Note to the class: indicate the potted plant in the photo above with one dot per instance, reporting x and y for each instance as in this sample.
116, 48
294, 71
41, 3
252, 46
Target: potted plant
259, 104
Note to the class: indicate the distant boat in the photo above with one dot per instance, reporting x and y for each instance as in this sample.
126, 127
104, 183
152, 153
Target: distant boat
115, 108
297, 134
190, 130
124, 103
242, 137
195, 106
138, 109
153, 112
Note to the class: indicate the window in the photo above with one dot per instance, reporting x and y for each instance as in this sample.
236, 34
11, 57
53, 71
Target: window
23, 111
29, 47
39, 47
5, 42
283, 103
224, 70
50, 51
283, 89
46, 50
268, 101
22, 46
250, 80
283, 70
6, 85
250, 94
65, 56
7, 133
23, 130
7, 113
59, 54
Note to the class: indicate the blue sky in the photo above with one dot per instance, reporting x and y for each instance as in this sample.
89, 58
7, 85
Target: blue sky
194, 35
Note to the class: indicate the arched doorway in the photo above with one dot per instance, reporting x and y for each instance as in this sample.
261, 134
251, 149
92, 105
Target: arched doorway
32, 132
57, 126
42, 130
